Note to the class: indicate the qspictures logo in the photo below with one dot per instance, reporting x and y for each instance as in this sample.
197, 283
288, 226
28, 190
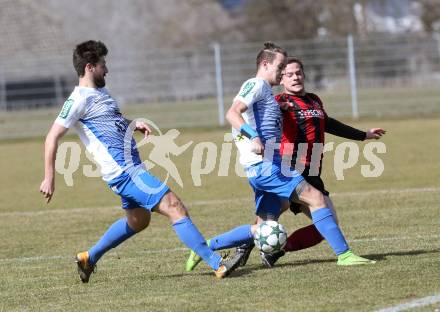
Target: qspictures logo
209, 158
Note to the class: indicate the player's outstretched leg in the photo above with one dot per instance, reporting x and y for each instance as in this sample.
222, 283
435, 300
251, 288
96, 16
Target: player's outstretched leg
269, 260
115, 235
193, 259
349, 258
245, 251
237, 236
171, 207
302, 238
325, 223
85, 268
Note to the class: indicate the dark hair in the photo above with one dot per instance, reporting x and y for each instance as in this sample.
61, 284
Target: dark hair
269, 52
87, 52
291, 60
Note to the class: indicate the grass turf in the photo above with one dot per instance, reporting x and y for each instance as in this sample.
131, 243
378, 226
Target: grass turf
392, 218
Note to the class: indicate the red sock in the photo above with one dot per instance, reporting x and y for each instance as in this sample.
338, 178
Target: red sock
303, 238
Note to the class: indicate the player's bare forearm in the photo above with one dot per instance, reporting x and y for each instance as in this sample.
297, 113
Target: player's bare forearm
49, 159
51, 147
47, 187
236, 120
50, 151
234, 114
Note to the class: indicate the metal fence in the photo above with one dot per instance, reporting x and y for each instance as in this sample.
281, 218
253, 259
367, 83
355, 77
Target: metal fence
354, 69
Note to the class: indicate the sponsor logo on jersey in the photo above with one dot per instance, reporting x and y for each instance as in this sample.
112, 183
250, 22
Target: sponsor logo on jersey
247, 88
66, 108
310, 113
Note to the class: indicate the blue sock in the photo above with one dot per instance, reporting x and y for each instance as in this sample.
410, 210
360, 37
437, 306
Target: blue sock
329, 229
191, 237
233, 238
116, 234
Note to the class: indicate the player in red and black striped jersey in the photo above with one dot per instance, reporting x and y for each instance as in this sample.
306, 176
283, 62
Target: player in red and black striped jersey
304, 125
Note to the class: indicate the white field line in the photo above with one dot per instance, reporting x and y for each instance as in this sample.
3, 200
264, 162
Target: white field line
59, 257
393, 238
173, 250
226, 201
388, 191
54, 211
413, 304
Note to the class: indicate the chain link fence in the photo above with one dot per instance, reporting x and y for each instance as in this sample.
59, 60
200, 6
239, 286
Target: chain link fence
393, 75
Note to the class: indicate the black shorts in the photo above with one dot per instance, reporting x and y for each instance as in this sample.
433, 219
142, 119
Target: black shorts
317, 183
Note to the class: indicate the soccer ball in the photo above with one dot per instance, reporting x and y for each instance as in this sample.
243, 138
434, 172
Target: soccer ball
270, 237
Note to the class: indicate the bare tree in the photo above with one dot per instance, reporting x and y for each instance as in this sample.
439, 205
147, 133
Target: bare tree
430, 14
295, 19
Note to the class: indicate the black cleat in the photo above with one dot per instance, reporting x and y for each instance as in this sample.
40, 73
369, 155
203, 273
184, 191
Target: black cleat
227, 265
269, 260
85, 269
245, 251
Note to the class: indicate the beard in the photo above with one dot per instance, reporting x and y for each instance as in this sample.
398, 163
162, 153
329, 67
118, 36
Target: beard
99, 82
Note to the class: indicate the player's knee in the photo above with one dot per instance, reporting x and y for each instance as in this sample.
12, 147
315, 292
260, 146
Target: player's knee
176, 207
312, 197
172, 207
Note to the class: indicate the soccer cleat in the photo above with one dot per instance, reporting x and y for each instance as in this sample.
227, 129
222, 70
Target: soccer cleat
85, 269
269, 260
245, 251
227, 265
349, 258
193, 260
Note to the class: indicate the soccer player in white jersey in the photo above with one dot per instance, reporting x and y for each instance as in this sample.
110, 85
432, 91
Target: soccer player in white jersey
256, 121
95, 115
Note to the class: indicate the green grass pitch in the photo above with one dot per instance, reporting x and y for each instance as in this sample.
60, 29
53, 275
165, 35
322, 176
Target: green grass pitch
393, 218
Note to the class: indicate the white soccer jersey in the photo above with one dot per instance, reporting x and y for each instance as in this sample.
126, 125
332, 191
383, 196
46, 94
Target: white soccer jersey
96, 117
263, 115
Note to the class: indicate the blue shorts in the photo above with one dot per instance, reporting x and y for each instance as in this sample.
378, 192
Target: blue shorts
271, 187
140, 189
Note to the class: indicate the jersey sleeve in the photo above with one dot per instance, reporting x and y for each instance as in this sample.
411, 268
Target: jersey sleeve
318, 99
340, 129
73, 109
250, 92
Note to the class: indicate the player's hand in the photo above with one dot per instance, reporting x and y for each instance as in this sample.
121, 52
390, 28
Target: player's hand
257, 146
375, 133
47, 188
285, 106
143, 127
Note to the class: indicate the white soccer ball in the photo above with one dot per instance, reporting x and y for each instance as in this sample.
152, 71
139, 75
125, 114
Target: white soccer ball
270, 237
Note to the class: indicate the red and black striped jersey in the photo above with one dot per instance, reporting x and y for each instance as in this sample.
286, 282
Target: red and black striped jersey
303, 126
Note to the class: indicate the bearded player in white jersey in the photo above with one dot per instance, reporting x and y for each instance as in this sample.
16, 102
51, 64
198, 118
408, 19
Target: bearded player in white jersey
95, 115
256, 121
